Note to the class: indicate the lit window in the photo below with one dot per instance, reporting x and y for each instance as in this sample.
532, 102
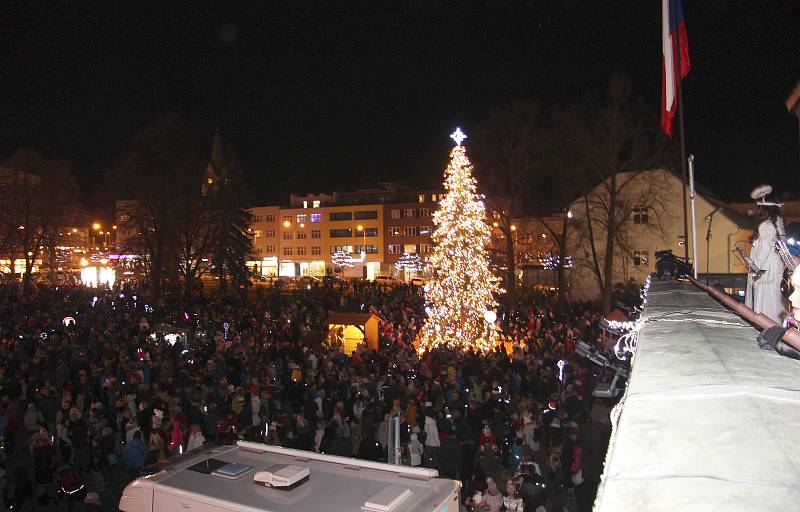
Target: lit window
315, 204
301, 218
316, 217
305, 204
433, 197
640, 215
422, 198
640, 258
394, 231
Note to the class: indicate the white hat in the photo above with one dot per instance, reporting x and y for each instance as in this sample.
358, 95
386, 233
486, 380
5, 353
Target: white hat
92, 498
760, 193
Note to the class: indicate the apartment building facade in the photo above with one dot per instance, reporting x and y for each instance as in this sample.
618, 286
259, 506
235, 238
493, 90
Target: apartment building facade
293, 242
409, 227
301, 239
266, 235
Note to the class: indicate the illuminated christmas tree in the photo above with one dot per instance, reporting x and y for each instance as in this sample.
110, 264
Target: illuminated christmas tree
460, 293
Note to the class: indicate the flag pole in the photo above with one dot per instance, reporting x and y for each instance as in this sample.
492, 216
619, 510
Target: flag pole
692, 194
676, 55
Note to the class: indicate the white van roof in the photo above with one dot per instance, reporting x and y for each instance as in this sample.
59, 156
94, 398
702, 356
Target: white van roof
335, 483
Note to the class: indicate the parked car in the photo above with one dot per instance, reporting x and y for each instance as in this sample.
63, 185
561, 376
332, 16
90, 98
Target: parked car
307, 282
332, 280
385, 279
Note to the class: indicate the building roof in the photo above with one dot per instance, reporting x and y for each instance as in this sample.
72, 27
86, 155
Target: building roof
351, 318
708, 420
335, 483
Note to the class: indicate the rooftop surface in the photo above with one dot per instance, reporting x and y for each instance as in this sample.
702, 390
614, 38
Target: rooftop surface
331, 486
709, 420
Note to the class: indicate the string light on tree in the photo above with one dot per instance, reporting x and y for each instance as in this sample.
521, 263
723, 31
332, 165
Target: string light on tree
550, 261
461, 288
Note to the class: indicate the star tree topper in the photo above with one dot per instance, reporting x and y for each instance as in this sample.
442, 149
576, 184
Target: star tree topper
458, 136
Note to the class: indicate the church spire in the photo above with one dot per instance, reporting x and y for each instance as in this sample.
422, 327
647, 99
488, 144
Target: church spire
217, 159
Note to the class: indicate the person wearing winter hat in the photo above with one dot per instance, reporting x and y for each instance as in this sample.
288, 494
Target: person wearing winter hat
492, 498
92, 502
196, 438
432, 442
415, 450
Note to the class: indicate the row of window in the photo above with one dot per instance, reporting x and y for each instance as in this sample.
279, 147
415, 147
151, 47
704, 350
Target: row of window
640, 215
400, 249
347, 232
410, 213
369, 249
264, 218
301, 251
360, 215
410, 231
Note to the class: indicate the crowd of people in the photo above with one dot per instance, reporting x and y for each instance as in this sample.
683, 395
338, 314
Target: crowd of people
106, 382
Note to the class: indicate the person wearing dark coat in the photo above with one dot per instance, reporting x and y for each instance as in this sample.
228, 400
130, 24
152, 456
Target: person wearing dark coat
450, 459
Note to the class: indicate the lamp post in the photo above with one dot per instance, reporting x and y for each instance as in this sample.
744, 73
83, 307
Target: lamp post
95, 229
363, 247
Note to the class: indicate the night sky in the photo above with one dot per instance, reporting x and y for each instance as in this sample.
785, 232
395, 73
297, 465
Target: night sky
316, 97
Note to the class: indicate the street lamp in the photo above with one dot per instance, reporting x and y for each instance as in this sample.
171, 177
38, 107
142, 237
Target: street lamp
363, 239
363, 247
96, 226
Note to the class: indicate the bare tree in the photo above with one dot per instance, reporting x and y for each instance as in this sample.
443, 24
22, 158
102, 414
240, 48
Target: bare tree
40, 196
618, 145
528, 168
510, 147
161, 165
195, 241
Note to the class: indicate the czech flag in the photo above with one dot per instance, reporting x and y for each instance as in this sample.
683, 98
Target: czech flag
674, 39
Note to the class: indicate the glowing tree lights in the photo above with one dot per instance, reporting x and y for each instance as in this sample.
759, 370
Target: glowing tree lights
461, 289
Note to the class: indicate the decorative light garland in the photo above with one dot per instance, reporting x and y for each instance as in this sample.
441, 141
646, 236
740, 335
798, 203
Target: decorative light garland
552, 261
342, 259
409, 261
461, 289
627, 343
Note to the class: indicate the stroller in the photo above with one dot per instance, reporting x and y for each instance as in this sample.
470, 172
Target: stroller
69, 485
